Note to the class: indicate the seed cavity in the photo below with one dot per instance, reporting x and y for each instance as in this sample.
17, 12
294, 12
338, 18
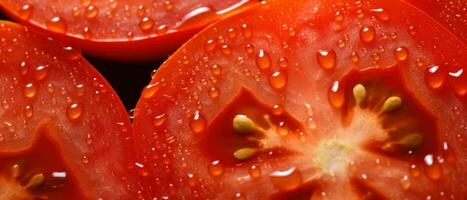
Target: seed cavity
359, 93
391, 103
245, 153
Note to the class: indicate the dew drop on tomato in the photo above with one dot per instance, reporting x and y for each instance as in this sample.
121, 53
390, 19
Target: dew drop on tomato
213, 92
209, 45
216, 69
287, 179
28, 111
168, 6
414, 170
380, 13
277, 109
278, 80
196, 17
215, 168
71, 53
162, 29
339, 16
326, 59
434, 77
283, 63
336, 95
458, 82
40, 72
25, 11
367, 34
159, 119
401, 53
57, 24
246, 31
231, 33
226, 49
74, 111
150, 90
29, 90
91, 12
405, 182
432, 167
239, 196
254, 171
354, 57
197, 122
249, 48
86, 33
23, 68
85, 160
146, 23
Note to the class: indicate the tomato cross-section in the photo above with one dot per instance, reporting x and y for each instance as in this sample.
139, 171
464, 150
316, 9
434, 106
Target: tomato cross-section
310, 99
64, 134
122, 30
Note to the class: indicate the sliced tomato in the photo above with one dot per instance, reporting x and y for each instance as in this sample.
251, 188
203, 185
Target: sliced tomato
310, 99
64, 134
451, 14
122, 30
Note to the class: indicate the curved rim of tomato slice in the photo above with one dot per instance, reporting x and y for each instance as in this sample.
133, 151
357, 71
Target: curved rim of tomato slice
144, 48
351, 99
52, 96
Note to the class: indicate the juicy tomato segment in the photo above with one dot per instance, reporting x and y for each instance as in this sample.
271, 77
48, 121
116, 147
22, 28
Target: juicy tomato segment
37, 173
310, 99
59, 115
99, 26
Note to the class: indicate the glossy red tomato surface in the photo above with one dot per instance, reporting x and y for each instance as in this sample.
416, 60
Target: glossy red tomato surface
310, 99
122, 30
64, 133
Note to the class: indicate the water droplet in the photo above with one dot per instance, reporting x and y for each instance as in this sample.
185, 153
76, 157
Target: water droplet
336, 95
197, 122
286, 180
263, 60
414, 170
213, 92
458, 81
380, 13
432, 167
191, 180
216, 69
209, 45
278, 80
246, 31
91, 12
277, 109
87, 34
434, 77
85, 159
339, 16
367, 34
74, 111
412, 31
341, 43
254, 171
326, 59
231, 33
401, 53
162, 29
376, 56
146, 23
283, 63
168, 6
88, 139
28, 111
23, 70
239, 196
197, 17
29, 90
159, 120
226, 50
249, 48
150, 90
215, 168
354, 57
25, 11
57, 24
405, 182
40, 72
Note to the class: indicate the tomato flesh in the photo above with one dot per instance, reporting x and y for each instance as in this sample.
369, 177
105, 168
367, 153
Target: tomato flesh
41, 158
121, 30
49, 90
366, 101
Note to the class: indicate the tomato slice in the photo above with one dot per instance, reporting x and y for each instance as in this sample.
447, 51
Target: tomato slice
310, 99
122, 30
64, 132
451, 14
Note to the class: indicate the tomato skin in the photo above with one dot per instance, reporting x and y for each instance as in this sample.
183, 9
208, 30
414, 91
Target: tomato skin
122, 48
51, 93
179, 103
